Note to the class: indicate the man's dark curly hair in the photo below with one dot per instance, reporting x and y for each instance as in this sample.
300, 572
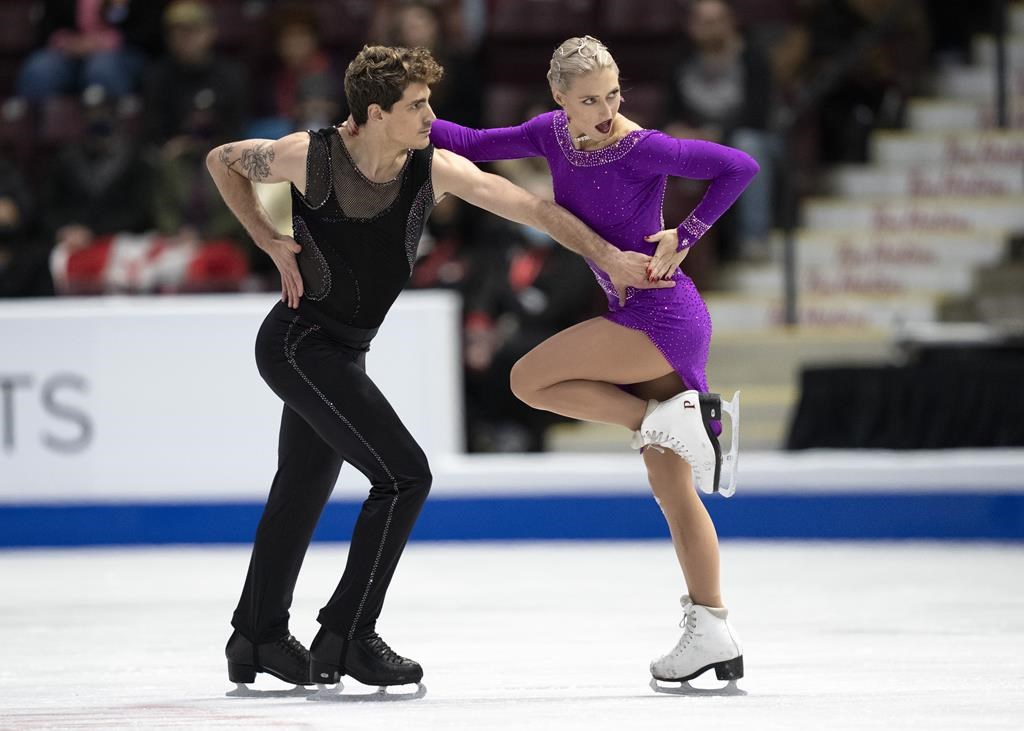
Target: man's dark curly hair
380, 74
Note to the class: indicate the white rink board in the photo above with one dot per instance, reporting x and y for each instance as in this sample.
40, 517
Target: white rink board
143, 398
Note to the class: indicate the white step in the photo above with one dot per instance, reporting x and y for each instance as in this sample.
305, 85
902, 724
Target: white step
890, 313
983, 50
976, 82
927, 180
830, 279
940, 115
857, 263
945, 115
955, 148
902, 249
948, 215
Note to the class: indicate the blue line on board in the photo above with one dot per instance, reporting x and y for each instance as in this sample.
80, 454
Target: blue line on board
847, 516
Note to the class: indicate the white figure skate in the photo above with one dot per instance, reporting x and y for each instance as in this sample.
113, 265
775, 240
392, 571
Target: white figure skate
683, 424
708, 642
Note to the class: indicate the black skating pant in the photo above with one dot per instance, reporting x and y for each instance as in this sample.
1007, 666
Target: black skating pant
333, 413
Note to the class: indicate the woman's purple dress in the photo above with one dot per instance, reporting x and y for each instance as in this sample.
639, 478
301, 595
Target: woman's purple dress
619, 191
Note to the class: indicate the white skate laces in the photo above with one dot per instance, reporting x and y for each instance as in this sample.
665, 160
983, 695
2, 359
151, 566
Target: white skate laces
683, 424
708, 642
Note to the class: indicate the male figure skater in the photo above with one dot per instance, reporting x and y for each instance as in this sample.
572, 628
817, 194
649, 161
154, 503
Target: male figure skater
360, 194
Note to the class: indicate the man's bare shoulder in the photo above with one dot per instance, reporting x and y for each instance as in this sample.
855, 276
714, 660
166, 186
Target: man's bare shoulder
267, 161
453, 164
452, 173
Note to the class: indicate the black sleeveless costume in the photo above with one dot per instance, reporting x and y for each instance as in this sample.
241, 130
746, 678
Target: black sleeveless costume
359, 242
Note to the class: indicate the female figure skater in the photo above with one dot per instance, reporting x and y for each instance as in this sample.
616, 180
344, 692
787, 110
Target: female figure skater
612, 174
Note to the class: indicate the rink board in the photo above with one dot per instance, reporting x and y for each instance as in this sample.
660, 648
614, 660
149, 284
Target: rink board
144, 421
969, 494
865, 516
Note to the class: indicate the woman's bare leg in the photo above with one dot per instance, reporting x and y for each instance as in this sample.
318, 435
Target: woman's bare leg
693, 532
572, 373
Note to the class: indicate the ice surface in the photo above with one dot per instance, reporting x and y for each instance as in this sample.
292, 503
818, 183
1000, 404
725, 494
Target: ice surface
532, 636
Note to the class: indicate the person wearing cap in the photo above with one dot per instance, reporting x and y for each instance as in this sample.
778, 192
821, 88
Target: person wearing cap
193, 89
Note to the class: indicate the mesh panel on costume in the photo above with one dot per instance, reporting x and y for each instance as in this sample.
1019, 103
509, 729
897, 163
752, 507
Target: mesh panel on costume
318, 171
358, 196
316, 274
422, 205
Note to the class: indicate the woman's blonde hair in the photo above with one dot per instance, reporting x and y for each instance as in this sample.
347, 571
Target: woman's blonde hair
576, 57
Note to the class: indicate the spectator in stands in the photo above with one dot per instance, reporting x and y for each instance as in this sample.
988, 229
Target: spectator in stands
185, 202
720, 90
91, 42
305, 92
98, 185
457, 97
954, 23
525, 289
195, 100
97, 188
871, 93
189, 210
319, 103
193, 87
24, 271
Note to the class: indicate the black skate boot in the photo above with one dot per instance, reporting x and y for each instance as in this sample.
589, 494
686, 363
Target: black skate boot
367, 659
285, 658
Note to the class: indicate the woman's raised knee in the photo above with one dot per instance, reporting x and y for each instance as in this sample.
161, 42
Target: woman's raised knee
522, 382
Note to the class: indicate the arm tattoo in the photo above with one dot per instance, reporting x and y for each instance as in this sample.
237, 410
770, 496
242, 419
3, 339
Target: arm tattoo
255, 161
225, 155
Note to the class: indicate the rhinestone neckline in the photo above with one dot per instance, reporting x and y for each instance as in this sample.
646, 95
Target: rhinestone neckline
589, 158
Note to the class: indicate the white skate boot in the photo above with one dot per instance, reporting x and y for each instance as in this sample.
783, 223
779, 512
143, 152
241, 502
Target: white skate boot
708, 642
683, 424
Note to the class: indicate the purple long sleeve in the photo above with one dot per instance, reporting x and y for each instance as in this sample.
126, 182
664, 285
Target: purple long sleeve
485, 145
729, 169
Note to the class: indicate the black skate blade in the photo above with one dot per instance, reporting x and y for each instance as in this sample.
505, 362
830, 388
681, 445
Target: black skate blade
244, 691
334, 694
684, 688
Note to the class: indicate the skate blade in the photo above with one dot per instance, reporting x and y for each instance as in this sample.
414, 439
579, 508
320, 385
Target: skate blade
684, 688
244, 691
731, 460
333, 694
